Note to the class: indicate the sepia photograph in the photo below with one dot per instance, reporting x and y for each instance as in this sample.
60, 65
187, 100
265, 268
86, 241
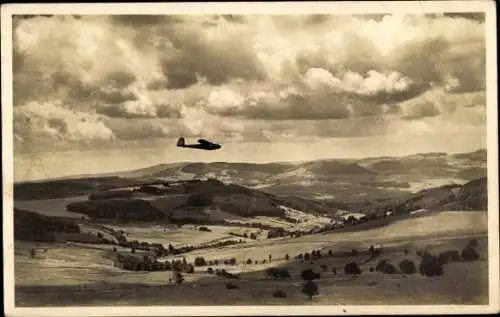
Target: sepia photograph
250, 158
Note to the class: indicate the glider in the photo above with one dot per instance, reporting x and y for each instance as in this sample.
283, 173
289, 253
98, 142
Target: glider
202, 145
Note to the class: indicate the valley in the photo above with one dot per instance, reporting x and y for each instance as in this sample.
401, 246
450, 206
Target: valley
99, 240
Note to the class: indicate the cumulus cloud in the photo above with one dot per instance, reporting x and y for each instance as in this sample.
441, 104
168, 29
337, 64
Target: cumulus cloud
246, 77
438, 101
52, 124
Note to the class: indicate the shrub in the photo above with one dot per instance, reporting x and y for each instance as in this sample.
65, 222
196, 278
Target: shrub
210, 270
188, 268
277, 272
200, 261
473, 243
448, 257
469, 254
310, 289
284, 274
167, 265
380, 265
429, 266
307, 256
309, 275
232, 261
389, 269
249, 261
216, 262
407, 267
177, 278
352, 268
177, 265
279, 294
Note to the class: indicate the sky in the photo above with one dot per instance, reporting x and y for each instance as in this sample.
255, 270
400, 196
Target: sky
106, 93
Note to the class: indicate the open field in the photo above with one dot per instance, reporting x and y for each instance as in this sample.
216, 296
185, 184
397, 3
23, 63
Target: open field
77, 275
188, 234
51, 207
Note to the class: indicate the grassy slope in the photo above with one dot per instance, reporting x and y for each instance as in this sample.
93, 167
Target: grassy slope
463, 283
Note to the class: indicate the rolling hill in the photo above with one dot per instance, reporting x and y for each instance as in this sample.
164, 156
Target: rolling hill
191, 202
215, 192
31, 226
214, 202
470, 196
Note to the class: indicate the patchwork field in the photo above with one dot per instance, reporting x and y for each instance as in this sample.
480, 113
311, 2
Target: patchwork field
72, 274
187, 235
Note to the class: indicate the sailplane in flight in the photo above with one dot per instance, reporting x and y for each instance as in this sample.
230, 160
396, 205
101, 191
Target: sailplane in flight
201, 145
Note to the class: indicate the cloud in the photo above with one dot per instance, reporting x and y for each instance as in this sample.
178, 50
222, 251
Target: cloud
213, 56
439, 101
249, 77
38, 124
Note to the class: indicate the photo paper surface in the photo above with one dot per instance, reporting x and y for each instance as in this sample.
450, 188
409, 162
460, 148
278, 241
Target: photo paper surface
250, 158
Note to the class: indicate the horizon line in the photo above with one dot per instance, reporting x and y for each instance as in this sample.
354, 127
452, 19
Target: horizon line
104, 174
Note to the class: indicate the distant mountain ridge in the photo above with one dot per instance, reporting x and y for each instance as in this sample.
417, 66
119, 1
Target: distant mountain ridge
338, 180
214, 202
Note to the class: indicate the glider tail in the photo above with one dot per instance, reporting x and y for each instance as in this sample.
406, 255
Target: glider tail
180, 142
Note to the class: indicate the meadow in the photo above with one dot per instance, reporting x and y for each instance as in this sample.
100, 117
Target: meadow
76, 274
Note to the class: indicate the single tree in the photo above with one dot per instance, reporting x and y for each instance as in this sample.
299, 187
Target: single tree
177, 277
310, 289
189, 269
200, 261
